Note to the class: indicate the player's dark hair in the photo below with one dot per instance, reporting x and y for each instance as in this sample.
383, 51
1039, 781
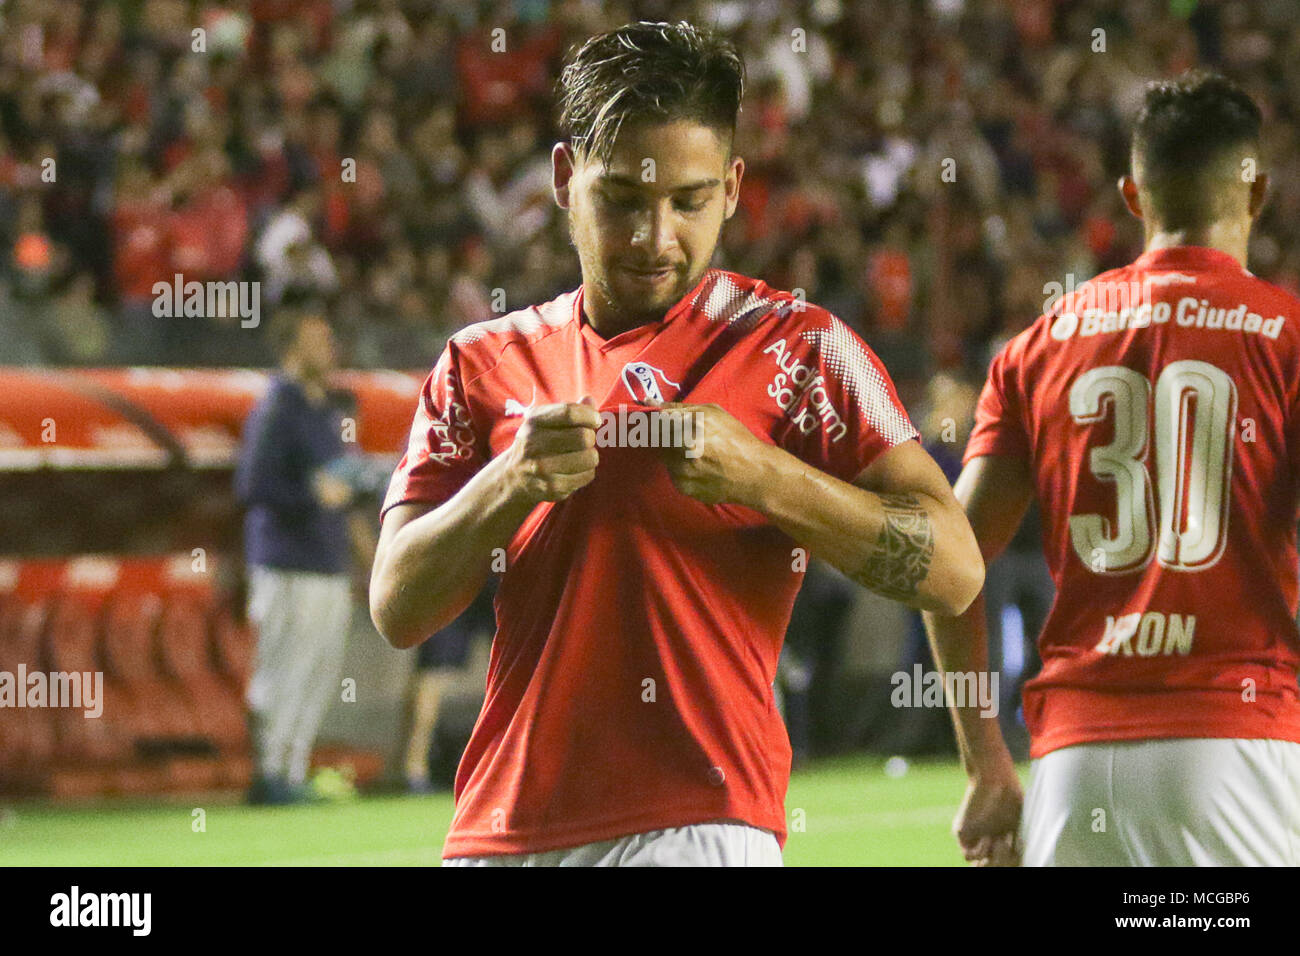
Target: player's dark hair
1187, 134
656, 72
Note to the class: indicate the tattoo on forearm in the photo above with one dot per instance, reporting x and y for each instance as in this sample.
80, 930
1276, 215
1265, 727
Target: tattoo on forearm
902, 555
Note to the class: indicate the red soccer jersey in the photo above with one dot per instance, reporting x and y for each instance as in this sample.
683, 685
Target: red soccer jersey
638, 630
1157, 405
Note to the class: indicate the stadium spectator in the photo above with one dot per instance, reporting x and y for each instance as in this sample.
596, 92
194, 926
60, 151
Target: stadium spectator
296, 539
78, 333
508, 192
294, 263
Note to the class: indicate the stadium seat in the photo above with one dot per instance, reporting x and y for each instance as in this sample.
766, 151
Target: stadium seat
22, 631
129, 622
236, 772
154, 708
234, 646
190, 774
71, 645
10, 611
27, 744
182, 640
27, 736
173, 714
184, 652
70, 636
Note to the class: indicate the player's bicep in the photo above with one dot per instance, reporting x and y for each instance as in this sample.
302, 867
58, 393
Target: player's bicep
386, 570
395, 519
995, 491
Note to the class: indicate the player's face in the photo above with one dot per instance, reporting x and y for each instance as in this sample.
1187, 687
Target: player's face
646, 225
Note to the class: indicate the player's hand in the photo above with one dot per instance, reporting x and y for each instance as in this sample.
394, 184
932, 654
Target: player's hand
716, 465
988, 822
554, 452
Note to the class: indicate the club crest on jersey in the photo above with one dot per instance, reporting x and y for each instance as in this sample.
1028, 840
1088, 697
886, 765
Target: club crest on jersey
645, 383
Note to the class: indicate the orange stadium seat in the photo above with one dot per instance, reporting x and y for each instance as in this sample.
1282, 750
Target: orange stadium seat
27, 736
23, 629
152, 707
234, 646
71, 641
173, 717
184, 651
232, 655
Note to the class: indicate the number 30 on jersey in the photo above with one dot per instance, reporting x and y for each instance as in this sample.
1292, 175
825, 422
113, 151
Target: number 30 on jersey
1195, 415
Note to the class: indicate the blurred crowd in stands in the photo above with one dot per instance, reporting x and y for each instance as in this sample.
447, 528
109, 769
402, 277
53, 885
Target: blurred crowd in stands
392, 158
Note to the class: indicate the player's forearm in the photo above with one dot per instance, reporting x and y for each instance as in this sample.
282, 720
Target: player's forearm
432, 568
960, 645
909, 547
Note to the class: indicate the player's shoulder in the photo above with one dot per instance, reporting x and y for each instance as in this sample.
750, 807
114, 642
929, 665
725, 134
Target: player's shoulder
1257, 295
753, 306
482, 343
1274, 299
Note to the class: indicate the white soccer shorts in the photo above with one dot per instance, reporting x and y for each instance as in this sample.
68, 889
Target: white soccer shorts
700, 844
1181, 802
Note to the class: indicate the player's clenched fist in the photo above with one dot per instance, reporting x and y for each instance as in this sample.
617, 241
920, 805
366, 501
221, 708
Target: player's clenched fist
988, 821
716, 459
554, 452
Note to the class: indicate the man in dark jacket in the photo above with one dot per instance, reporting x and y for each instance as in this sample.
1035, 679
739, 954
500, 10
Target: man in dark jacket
297, 548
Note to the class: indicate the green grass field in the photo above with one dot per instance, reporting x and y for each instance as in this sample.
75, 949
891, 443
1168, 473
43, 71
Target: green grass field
853, 814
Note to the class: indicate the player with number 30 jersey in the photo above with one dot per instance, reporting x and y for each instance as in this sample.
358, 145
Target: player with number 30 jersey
1163, 430
1154, 412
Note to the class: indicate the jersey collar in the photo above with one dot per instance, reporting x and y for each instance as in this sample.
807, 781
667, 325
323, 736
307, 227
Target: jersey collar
1186, 257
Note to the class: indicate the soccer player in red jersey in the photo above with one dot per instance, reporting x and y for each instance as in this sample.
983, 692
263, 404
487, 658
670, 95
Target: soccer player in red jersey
650, 458
1155, 414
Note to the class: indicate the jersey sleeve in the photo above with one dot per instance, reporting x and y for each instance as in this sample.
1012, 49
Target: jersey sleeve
999, 423
443, 451
842, 409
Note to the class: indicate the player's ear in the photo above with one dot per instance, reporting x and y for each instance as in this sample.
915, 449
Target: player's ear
1258, 193
731, 183
563, 164
1129, 191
